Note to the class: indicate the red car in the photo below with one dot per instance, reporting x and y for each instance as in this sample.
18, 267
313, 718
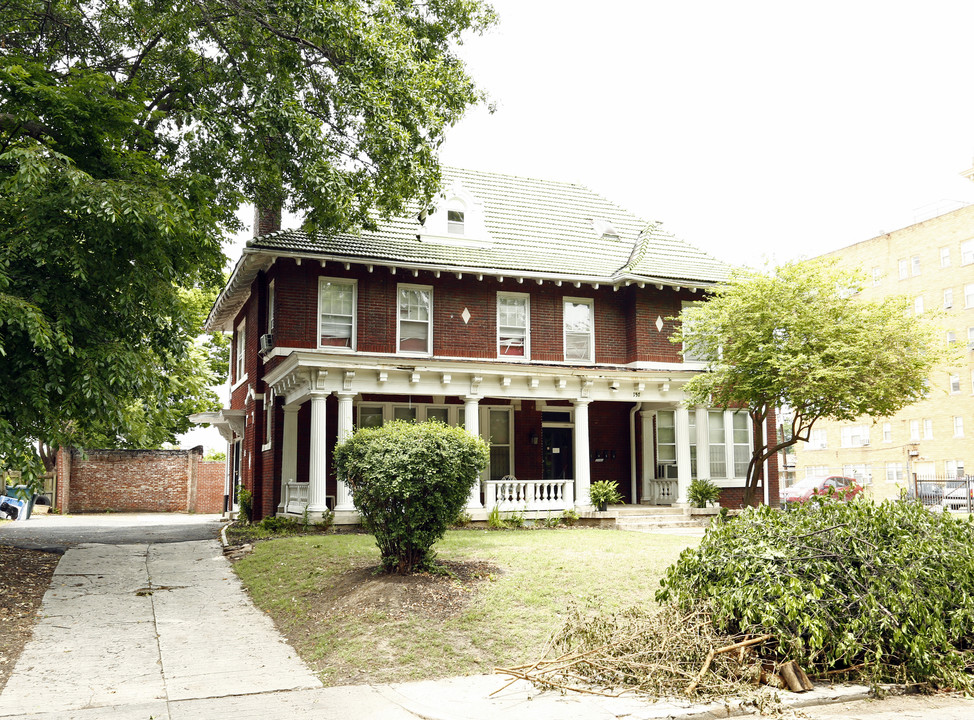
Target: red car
844, 488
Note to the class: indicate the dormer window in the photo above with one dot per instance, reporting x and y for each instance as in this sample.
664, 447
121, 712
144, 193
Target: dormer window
454, 222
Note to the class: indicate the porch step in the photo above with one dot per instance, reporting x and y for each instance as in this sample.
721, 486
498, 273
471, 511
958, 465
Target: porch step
656, 521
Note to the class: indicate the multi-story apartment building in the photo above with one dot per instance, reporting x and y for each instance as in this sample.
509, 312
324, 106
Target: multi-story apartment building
932, 264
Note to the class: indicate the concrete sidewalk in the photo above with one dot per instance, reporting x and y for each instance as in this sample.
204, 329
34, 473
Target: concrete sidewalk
133, 632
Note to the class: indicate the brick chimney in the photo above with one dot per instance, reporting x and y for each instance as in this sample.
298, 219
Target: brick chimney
266, 219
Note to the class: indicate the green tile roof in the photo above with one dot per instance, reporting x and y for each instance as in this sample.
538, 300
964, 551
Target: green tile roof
539, 227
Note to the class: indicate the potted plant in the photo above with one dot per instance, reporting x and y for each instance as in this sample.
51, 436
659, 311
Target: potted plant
701, 492
603, 493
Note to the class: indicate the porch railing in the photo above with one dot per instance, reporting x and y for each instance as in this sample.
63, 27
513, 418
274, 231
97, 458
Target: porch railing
663, 491
512, 494
297, 497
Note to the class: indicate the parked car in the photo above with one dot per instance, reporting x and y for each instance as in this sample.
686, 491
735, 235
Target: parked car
928, 493
802, 491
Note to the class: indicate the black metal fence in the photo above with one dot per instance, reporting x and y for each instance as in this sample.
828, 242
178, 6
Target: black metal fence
953, 493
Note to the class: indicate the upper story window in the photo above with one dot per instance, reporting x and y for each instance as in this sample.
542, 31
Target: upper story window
454, 222
944, 257
579, 318
818, 439
270, 306
877, 275
915, 265
854, 436
513, 325
948, 298
969, 295
240, 351
415, 326
954, 381
336, 312
887, 432
918, 304
904, 268
914, 430
967, 252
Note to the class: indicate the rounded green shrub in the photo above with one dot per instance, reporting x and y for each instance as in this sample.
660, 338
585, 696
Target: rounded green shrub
884, 590
409, 481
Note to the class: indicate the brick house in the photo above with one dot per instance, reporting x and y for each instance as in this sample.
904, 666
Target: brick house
535, 313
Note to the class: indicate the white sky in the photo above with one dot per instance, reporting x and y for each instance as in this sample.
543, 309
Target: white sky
753, 130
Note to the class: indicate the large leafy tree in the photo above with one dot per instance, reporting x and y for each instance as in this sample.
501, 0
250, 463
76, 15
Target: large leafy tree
130, 132
799, 336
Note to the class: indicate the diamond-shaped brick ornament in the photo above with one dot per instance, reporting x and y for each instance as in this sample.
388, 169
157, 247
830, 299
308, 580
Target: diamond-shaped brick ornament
465, 315
659, 324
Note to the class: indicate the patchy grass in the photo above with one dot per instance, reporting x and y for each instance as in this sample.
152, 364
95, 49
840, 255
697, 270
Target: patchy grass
507, 593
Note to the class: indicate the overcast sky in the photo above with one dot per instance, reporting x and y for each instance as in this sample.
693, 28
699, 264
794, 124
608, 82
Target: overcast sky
751, 129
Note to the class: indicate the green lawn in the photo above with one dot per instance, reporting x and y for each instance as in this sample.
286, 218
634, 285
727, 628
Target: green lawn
354, 627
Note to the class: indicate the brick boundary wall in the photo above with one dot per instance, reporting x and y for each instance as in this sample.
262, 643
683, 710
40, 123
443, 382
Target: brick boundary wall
138, 481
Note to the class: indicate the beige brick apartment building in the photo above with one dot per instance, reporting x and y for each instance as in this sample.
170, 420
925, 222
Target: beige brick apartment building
932, 264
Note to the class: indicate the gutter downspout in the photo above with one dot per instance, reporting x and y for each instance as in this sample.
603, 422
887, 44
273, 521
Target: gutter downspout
632, 450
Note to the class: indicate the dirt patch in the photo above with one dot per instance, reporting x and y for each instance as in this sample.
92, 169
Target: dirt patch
366, 590
26, 577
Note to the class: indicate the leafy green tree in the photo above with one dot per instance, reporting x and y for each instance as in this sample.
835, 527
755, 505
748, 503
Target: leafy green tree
799, 336
130, 132
410, 481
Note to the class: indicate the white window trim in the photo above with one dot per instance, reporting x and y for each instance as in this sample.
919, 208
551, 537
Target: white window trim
240, 353
945, 257
270, 307
951, 378
564, 329
969, 295
268, 421
948, 298
887, 432
927, 428
527, 326
322, 281
967, 252
914, 266
958, 426
429, 337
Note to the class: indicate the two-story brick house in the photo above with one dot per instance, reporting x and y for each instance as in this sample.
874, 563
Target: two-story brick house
535, 313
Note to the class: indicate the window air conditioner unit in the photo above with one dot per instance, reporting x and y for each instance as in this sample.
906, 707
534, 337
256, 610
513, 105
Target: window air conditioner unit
865, 443
672, 472
266, 343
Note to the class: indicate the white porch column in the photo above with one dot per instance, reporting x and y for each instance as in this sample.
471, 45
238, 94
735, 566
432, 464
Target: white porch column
318, 466
703, 443
583, 467
289, 456
343, 503
471, 422
649, 454
729, 442
682, 428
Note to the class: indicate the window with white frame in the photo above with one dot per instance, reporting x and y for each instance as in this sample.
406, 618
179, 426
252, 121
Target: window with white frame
688, 352
336, 313
270, 306
954, 468
693, 443
944, 257
969, 295
894, 472
862, 472
915, 265
816, 470
948, 298
818, 439
454, 222
970, 338
927, 429
954, 384
718, 445
513, 325
854, 436
268, 418
877, 275
887, 432
665, 437
918, 304
406, 413
415, 329
958, 426
370, 416
499, 423
579, 323
240, 351
914, 430
904, 268
742, 443
951, 337
967, 252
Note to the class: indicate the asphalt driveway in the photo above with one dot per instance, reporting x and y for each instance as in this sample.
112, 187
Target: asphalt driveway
57, 533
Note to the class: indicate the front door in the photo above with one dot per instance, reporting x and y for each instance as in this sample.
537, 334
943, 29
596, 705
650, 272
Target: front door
558, 456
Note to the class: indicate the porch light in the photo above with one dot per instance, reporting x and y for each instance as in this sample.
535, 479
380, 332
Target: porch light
533, 437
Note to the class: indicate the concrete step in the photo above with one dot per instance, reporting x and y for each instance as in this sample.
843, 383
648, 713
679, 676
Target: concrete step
654, 521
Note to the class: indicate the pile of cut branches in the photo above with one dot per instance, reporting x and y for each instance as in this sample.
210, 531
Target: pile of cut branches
661, 653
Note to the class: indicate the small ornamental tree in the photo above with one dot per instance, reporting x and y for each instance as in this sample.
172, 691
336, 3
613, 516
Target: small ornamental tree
410, 481
799, 336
